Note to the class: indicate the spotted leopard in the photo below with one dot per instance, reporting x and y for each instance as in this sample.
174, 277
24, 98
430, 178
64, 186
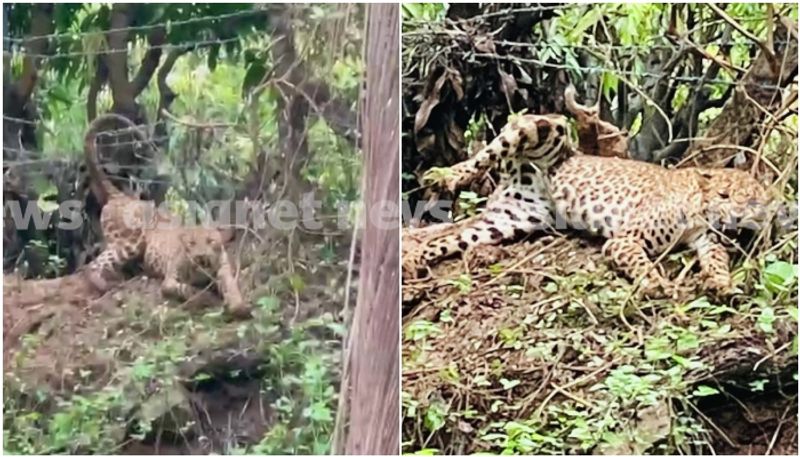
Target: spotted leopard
186, 258
641, 209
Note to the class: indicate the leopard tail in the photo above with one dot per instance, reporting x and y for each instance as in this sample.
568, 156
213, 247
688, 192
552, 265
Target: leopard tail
101, 184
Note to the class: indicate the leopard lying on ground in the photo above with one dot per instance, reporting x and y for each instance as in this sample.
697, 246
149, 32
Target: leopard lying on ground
641, 209
186, 258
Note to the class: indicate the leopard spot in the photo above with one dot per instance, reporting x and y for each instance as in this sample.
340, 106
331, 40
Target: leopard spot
608, 221
505, 144
533, 220
598, 209
527, 168
495, 234
509, 213
443, 249
518, 196
648, 244
542, 131
463, 245
474, 237
526, 180
518, 233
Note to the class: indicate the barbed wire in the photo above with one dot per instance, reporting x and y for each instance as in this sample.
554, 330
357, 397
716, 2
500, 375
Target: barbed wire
595, 46
685, 79
77, 35
201, 43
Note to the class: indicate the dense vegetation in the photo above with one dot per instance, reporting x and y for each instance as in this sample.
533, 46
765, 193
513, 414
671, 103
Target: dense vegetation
244, 102
538, 347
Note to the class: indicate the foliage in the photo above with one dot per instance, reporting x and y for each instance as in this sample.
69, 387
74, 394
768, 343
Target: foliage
301, 373
228, 56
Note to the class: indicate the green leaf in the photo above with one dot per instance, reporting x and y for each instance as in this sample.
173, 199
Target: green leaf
704, 391
778, 275
587, 20
758, 385
766, 320
508, 385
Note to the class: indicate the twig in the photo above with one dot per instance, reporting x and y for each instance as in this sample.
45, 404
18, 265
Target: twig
764, 48
771, 355
778, 428
712, 424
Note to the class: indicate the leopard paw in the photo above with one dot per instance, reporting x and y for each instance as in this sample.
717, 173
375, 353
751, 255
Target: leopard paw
413, 268
720, 284
98, 281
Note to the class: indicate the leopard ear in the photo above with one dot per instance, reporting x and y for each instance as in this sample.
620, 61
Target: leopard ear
227, 233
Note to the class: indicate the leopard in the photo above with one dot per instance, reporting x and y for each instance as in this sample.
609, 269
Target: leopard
186, 259
520, 153
641, 210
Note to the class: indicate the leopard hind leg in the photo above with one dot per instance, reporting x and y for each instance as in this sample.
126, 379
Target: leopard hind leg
714, 264
629, 256
107, 265
508, 215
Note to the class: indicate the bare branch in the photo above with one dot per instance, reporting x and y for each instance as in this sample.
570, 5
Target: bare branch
117, 61
35, 46
99, 79
764, 48
151, 59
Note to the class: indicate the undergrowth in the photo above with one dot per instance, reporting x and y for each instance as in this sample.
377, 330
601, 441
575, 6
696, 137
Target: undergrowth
101, 410
573, 364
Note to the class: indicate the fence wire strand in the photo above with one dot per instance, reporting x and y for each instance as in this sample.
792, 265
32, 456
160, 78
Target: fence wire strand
139, 28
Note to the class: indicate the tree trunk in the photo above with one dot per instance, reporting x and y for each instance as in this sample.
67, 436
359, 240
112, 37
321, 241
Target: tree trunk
374, 351
742, 118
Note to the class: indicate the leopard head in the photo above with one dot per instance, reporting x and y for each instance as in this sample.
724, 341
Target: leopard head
203, 249
542, 138
735, 200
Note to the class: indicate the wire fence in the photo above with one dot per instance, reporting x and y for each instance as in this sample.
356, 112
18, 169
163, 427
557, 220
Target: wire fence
596, 49
140, 28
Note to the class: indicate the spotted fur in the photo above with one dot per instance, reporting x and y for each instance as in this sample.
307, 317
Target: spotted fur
135, 230
641, 209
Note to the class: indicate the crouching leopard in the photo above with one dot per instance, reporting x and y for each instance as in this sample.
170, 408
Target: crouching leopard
641, 209
185, 258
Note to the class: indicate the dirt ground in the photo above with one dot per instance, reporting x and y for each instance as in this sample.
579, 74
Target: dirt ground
192, 380
543, 334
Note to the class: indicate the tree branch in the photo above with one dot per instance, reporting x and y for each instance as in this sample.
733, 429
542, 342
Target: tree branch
150, 61
100, 78
117, 58
764, 48
35, 45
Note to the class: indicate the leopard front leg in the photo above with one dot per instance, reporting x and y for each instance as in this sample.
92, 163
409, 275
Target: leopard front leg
629, 256
194, 297
509, 214
229, 288
503, 146
714, 264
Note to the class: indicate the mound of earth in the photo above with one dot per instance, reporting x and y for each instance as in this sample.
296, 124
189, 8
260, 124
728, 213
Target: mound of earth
129, 372
539, 347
